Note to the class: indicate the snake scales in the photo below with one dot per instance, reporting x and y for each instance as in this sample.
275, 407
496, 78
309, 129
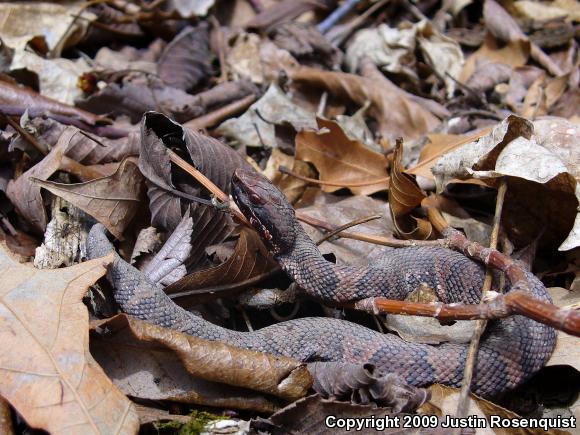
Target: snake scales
511, 350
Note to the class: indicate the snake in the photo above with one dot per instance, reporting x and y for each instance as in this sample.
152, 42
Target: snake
511, 350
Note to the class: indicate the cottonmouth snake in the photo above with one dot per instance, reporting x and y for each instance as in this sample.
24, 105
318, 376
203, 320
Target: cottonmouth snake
511, 350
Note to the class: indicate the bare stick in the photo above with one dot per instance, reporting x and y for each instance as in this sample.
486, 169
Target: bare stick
208, 184
346, 226
369, 238
27, 136
463, 403
515, 302
287, 171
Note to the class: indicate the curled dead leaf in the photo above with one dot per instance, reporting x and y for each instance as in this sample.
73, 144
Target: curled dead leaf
404, 196
214, 361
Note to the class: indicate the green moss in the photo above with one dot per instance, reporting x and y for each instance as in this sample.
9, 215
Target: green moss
199, 419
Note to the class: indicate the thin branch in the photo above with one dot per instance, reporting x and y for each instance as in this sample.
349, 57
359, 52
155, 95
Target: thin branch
369, 238
212, 118
347, 226
288, 171
27, 136
515, 302
208, 184
463, 403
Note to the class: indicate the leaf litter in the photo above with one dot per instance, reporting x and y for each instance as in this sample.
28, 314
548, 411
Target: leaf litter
136, 114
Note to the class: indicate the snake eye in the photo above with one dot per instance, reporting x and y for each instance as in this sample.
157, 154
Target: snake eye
255, 198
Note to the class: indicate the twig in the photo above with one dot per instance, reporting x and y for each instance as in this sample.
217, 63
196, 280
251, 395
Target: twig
100, 130
346, 226
256, 5
212, 118
247, 320
515, 302
338, 37
287, 171
338, 14
27, 136
208, 184
463, 403
377, 240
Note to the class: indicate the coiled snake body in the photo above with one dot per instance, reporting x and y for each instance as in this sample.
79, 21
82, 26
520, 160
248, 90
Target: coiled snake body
511, 350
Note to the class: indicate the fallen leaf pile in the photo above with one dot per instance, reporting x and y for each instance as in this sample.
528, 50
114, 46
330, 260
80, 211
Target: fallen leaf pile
136, 114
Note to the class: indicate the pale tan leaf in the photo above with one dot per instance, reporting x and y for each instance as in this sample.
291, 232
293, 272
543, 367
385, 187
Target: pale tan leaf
47, 372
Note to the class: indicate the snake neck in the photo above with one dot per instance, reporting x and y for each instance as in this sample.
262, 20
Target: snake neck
319, 278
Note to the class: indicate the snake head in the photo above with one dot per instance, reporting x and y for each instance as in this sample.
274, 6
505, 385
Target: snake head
266, 208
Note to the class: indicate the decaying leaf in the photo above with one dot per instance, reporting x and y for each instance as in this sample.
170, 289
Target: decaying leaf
65, 236
256, 127
442, 53
444, 401
404, 196
111, 200
57, 77
55, 23
395, 114
25, 98
211, 157
148, 241
438, 145
25, 193
362, 385
207, 360
567, 347
389, 48
184, 63
341, 160
310, 415
48, 375
548, 158
249, 258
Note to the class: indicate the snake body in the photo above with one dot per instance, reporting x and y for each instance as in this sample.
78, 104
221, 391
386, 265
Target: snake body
510, 352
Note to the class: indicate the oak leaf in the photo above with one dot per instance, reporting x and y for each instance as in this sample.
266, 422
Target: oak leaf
46, 370
341, 160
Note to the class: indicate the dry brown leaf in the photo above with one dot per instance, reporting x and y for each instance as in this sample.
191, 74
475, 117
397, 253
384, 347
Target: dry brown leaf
341, 160
404, 196
56, 23
111, 200
25, 193
25, 98
567, 346
292, 187
185, 61
439, 144
250, 258
396, 114
514, 54
211, 360
48, 374
542, 95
